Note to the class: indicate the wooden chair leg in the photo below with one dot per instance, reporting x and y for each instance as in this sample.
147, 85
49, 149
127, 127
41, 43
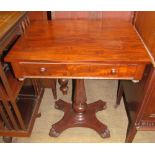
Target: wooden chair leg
119, 94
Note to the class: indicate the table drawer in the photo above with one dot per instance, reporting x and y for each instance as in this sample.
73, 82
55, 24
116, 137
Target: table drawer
28, 69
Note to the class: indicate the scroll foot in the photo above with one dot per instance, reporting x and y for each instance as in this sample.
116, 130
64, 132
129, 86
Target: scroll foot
105, 134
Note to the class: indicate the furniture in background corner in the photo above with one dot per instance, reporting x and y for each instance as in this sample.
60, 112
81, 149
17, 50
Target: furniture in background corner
139, 98
19, 101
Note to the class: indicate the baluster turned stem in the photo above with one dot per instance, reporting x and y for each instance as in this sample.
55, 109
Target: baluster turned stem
79, 103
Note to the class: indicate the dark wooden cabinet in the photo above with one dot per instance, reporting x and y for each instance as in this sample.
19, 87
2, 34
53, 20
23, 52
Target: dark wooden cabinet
139, 97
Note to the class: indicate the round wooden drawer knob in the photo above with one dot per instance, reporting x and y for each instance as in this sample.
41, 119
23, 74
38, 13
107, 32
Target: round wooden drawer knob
113, 71
42, 69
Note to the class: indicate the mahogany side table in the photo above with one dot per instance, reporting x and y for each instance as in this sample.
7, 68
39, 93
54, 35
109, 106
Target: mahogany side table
79, 49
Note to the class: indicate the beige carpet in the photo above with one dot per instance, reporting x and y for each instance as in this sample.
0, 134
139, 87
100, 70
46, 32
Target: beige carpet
116, 119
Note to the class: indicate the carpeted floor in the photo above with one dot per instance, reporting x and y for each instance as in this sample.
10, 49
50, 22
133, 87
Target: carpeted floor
115, 119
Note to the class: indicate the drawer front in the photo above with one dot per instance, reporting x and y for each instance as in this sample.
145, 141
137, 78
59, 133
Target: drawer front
75, 70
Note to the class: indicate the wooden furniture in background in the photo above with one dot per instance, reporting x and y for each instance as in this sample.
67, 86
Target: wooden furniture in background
145, 25
38, 16
19, 101
12, 24
120, 15
139, 97
79, 49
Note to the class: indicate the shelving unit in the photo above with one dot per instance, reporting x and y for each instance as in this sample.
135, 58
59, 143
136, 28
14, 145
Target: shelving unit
19, 100
19, 104
14, 84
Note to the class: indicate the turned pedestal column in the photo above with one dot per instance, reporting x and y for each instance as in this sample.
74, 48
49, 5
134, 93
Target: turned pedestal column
79, 113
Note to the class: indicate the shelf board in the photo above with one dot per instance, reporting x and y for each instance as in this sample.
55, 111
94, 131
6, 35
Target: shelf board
27, 91
14, 84
1, 123
26, 107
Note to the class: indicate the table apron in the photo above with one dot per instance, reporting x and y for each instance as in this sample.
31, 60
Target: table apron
85, 70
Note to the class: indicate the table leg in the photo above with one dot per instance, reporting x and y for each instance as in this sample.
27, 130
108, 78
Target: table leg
119, 94
79, 114
131, 133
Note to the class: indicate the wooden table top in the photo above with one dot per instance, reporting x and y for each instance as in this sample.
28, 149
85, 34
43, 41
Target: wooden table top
7, 20
74, 41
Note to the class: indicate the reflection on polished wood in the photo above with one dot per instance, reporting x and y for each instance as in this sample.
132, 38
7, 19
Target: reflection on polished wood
107, 41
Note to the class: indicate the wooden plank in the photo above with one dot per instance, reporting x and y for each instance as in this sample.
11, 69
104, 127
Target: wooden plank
123, 15
12, 101
5, 118
86, 41
145, 24
37, 15
8, 20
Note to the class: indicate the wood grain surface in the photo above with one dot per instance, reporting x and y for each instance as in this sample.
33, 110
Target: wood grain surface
123, 15
145, 24
8, 19
68, 41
